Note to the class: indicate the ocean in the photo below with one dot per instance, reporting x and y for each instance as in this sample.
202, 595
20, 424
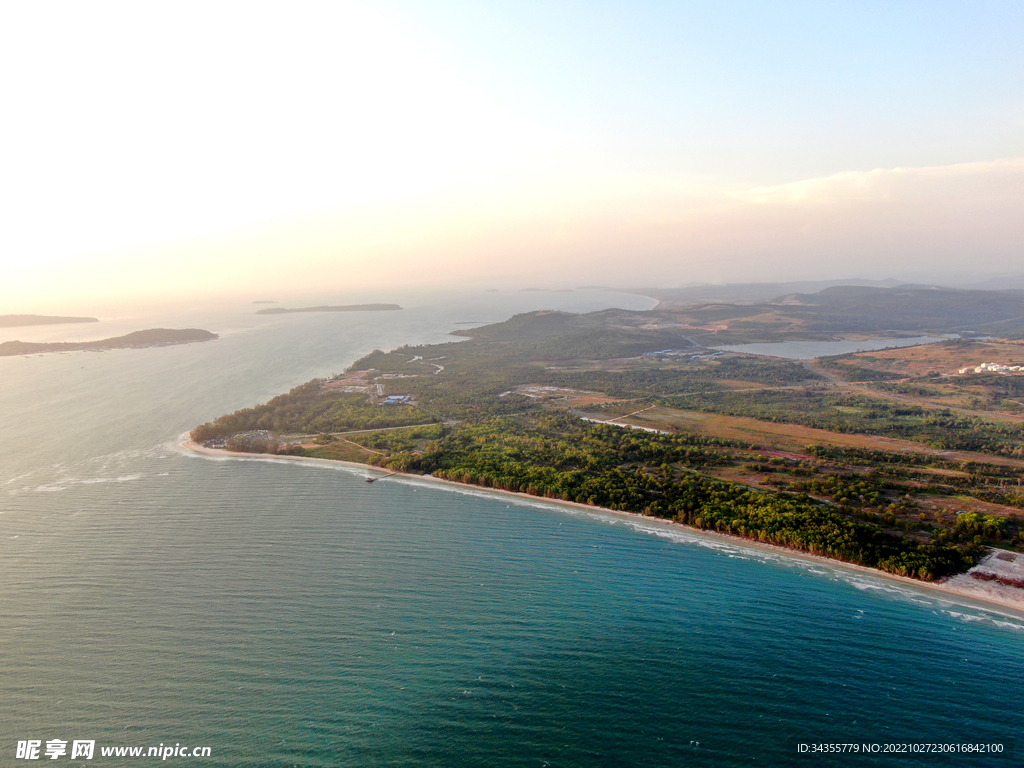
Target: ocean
290, 614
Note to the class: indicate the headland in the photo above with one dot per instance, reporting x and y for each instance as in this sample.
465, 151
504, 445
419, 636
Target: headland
154, 337
889, 460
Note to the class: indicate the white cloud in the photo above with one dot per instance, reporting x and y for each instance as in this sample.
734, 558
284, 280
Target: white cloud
999, 178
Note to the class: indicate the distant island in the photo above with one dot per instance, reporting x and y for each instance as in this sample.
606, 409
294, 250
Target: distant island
154, 337
889, 459
15, 321
341, 308
264, 301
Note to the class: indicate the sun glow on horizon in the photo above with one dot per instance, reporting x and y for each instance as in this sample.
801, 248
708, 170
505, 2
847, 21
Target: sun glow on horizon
226, 148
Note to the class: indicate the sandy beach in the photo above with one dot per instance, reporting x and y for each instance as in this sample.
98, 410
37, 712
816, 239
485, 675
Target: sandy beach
963, 589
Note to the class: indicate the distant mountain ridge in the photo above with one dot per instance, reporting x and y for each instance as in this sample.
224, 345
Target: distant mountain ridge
853, 309
752, 292
822, 315
1004, 283
551, 335
907, 307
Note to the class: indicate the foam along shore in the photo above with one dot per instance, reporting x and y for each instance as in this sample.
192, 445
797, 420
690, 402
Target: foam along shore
981, 584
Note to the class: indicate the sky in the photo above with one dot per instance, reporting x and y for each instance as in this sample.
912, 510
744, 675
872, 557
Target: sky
270, 150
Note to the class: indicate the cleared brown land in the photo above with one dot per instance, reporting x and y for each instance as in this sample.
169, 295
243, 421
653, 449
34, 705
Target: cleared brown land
922, 360
562, 396
942, 509
786, 437
739, 384
945, 508
791, 439
343, 451
952, 394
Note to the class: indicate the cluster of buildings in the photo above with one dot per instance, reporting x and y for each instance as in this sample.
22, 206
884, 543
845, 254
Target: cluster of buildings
357, 381
364, 382
688, 353
993, 368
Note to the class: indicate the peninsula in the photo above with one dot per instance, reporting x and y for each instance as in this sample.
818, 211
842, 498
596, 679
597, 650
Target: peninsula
340, 308
16, 321
889, 460
154, 337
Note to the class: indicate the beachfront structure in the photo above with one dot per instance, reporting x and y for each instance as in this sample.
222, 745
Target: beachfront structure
993, 368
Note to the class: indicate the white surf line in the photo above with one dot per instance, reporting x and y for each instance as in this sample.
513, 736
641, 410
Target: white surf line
933, 590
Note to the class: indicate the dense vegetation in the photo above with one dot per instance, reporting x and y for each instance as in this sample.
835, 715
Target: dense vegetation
479, 414
558, 457
306, 410
838, 412
477, 372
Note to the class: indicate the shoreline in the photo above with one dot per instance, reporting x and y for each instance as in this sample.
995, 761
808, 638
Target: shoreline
965, 588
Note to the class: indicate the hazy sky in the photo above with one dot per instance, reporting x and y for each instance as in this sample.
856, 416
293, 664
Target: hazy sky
272, 149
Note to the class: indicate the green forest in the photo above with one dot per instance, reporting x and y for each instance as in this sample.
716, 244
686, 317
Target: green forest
307, 410
555, 456
469, 415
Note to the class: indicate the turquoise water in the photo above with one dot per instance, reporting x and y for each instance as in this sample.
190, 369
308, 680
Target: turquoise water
292, 614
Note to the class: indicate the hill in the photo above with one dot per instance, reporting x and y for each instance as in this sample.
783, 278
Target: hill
747, 293
838, 310
153, 337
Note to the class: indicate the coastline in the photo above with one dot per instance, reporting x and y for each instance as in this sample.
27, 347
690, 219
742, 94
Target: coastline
963, 586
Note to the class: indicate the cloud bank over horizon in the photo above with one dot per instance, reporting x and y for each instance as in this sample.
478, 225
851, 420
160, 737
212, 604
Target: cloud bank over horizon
340, 147
906, 223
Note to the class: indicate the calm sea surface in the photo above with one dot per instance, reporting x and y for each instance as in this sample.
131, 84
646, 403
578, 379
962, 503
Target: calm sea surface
288, 614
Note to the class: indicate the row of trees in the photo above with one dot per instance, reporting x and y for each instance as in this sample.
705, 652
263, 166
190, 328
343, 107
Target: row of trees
555, 457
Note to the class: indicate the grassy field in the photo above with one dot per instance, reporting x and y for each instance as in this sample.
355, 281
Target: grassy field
769, 435
883, 439
941, 358
928, 375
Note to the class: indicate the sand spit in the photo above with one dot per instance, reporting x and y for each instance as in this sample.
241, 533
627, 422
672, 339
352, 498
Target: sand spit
992, 582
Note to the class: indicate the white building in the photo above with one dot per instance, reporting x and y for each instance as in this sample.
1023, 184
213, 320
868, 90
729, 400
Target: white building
993, 368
